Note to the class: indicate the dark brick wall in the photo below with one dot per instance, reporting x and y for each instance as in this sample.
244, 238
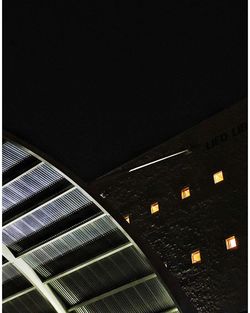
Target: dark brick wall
203, 221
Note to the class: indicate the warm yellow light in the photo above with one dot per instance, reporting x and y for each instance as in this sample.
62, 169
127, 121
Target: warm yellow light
218, 177
231, 243
155, 208
185, 193
196, 257
127, 218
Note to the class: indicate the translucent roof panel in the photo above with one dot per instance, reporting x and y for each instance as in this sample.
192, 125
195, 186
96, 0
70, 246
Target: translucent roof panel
12, 155
31, 302
102, 276
9, 272
48, 259
29, 184
13, 281
147, 297
44, 216
81, 256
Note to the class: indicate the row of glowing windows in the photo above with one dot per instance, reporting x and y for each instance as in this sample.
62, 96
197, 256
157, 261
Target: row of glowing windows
185, 193
231, 244
217, 177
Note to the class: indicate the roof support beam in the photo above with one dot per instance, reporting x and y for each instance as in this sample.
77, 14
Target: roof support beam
18, 294
36, 199
19, 168
62, 235
34, 279
78, 267
39, 207
23, 174
113, 292
87, 263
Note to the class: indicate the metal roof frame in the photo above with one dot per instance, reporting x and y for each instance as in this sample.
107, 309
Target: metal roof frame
43, 285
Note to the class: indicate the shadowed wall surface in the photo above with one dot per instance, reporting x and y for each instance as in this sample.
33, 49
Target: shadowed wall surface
202, 221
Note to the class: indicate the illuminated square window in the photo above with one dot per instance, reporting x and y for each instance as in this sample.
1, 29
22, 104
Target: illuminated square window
155, 208
185, 193
196, 257
127, 218
231, 243
218, 177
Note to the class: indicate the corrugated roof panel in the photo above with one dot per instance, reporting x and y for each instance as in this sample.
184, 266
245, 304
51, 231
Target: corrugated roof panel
44, 216
31, 183
76, 247
12, 155
31, 302
104, 275
43, 257
148, 297
9, 272
13, 281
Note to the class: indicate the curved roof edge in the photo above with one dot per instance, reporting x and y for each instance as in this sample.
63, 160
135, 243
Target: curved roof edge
166, 278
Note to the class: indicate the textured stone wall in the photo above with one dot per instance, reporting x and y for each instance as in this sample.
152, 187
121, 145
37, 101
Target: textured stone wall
202, 221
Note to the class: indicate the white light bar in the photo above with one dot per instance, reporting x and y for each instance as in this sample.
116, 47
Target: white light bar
159, 160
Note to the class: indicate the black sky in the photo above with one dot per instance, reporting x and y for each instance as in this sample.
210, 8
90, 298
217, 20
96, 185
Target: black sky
94, 84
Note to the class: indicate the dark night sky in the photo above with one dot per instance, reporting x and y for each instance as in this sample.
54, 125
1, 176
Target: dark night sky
94, 84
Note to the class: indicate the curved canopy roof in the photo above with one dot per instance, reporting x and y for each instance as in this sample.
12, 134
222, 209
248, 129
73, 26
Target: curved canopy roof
63, 252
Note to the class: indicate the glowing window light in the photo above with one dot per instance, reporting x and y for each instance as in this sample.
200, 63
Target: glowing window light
218, 177
155, 207
127, 218
185, 193
231, 243
196, 257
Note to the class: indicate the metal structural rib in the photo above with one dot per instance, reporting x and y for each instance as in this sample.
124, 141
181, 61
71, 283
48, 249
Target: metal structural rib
64, 252
31, 275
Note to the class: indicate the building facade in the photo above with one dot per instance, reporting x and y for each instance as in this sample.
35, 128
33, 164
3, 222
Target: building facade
191, 208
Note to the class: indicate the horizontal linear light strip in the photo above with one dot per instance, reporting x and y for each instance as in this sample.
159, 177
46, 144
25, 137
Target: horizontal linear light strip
33, 278
113, 292
159, 160
39, 207
76, 268
89, 262
12, 155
